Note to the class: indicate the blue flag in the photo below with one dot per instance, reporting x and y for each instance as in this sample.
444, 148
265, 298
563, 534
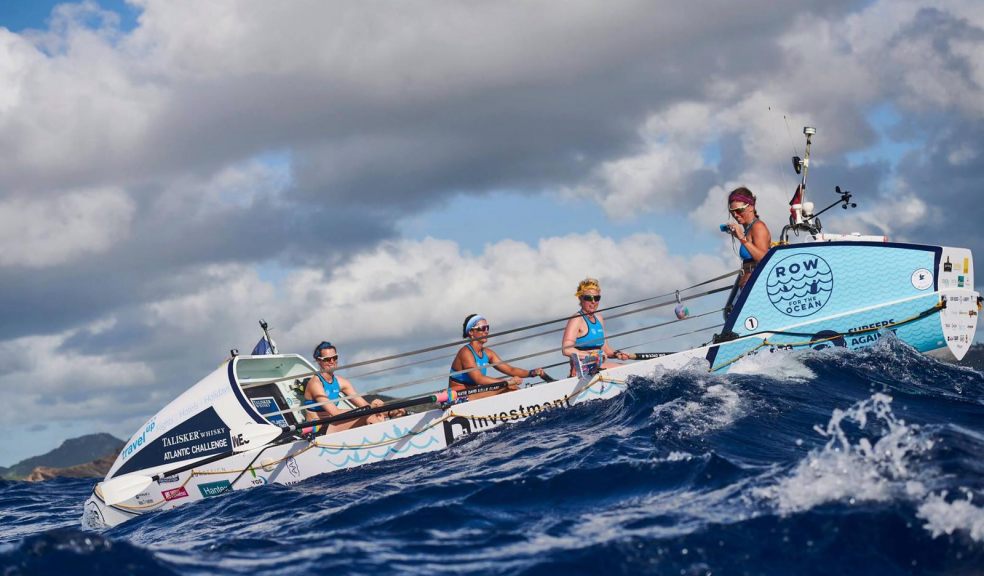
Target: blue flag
264, 347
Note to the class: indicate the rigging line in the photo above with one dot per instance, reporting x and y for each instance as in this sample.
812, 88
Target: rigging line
712, 327
545, 332
524, 357
644, 308
528, 327
790, 135
782, 171
461, 342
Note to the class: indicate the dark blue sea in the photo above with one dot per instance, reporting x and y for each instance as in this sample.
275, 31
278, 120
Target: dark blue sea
830, 462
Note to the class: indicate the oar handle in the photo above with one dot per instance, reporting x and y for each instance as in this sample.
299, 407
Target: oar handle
648, 355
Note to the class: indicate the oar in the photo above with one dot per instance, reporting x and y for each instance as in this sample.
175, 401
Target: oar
249, 437
647, 355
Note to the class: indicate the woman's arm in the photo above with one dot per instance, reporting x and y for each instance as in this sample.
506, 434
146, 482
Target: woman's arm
466, 361
760, 241
511, 370
608, 350
349, 391
571, 333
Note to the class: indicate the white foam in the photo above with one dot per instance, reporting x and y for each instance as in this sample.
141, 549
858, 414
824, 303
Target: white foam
717, 408
782, 364
678, 457
872, 469
944, 517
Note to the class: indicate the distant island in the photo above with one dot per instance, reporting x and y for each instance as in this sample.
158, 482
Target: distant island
88, 456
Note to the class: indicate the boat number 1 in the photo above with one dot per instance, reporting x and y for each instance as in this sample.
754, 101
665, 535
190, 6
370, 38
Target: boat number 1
751, 323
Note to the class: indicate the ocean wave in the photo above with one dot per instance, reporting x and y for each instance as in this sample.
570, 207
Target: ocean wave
846, 461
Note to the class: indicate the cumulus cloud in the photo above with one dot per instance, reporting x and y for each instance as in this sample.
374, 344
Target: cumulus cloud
41, 232
421, 290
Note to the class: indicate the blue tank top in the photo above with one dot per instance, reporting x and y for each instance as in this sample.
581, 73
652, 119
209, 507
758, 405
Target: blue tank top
744, 253
594, 339
332, 391
482, 362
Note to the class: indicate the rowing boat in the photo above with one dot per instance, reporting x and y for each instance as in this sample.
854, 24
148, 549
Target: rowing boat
242, 425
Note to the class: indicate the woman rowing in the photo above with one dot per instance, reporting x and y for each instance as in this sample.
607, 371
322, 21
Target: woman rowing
584, 335
751, 232
324, 390
470, 367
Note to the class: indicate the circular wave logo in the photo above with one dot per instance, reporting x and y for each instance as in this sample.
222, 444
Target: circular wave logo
800, 284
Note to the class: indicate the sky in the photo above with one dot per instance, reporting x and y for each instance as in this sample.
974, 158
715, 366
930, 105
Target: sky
172, 171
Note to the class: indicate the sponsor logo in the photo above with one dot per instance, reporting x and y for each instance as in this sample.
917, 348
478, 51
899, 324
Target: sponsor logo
175, 493
293, 468
144, 498
139, 440
168, 480
238, 441
922, 279
195, 443
461, 425
867, 333
210, 489
267, 406
800, 285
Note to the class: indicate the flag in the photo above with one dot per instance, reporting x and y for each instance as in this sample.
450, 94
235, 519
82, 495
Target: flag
265, 346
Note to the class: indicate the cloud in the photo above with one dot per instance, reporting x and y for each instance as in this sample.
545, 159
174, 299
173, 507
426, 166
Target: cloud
41, 232
162, 187
403, 293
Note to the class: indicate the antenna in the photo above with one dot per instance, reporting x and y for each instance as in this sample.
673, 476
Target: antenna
809, 131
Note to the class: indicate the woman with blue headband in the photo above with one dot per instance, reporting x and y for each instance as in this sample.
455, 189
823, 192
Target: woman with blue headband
471, 363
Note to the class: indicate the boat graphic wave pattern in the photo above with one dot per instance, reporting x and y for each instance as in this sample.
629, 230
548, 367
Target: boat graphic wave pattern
356, 454
799, 292
817, 462
800, 284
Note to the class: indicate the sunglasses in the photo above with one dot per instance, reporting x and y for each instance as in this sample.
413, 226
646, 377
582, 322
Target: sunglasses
481, 328
738, 210
589, 298
328, 358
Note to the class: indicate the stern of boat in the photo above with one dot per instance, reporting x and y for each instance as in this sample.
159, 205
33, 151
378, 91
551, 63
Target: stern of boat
850, 294
958, 319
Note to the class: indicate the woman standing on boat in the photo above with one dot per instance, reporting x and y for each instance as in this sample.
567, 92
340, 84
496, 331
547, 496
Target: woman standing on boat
325, 389
751, 232
584, 334
471, 363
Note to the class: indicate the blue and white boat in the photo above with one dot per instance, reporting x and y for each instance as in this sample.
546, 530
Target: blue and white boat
241, 426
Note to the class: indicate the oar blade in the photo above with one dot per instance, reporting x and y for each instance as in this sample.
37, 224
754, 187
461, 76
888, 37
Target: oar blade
122, 488
253, 435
